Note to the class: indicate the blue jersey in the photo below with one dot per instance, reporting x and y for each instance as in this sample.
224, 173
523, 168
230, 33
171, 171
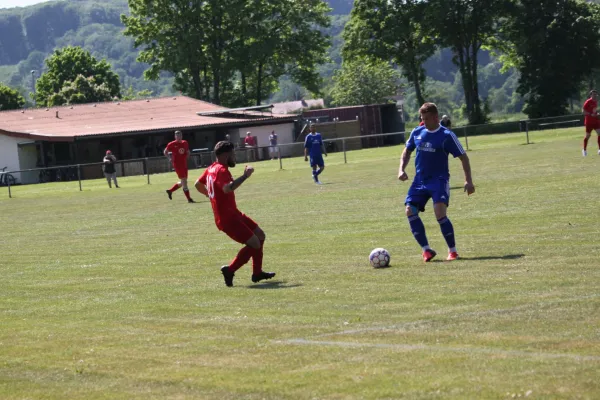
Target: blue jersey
314, 144
433, 148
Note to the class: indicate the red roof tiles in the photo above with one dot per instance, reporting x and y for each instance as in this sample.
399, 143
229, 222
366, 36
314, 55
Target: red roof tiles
82, 120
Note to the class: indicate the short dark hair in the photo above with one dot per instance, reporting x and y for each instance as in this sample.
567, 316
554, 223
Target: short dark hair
428, 108
223, 147
592, 92
178, 133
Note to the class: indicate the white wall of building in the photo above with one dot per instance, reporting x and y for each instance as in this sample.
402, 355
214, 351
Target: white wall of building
9, 154
285, 134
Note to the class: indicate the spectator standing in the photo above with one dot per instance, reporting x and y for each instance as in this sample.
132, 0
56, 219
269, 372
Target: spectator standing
109, 168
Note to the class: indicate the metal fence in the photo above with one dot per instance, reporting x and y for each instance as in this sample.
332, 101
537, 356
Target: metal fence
145, 167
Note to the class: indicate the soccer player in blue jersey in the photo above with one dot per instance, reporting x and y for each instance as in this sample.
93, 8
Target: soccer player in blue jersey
433, 143
313, 146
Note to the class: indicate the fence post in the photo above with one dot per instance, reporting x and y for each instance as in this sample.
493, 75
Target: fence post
344, 149
527, 130
79, 176
9, 192
466, 138
146, 169
279, 156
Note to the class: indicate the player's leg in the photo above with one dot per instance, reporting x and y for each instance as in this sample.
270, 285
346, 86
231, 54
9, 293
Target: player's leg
239, 232
415, 201
588, 132
257, 258
441, 198
114, 177
174, 188
321, 165
598, 136
184, 185
313, 165
107, 175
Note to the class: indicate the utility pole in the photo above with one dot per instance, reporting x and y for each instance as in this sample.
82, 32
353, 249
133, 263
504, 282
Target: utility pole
33, 71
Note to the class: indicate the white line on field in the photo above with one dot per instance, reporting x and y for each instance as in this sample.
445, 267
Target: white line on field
453, 349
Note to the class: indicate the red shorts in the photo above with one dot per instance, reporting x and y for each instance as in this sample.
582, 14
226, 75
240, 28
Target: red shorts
240, 228
181, 171
591, 125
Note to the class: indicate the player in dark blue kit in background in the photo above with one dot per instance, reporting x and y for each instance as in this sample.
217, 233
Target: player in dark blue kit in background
433, 143
313, 146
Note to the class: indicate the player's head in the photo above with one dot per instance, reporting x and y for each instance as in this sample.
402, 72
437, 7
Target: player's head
108, 153
313, 128
225, 153
593, 94
430, 116
247, 133
178, 135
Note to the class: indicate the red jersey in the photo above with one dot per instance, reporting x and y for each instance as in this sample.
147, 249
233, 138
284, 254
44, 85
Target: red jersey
214, 178
590, 106
179, 152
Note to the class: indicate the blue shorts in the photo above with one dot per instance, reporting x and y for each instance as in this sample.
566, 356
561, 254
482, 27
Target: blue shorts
317, 161
421, 191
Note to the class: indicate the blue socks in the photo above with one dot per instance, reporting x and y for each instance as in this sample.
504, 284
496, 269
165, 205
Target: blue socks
418, 230
448, 232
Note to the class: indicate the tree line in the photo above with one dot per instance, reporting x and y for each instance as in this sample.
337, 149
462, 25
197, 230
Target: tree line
238, 52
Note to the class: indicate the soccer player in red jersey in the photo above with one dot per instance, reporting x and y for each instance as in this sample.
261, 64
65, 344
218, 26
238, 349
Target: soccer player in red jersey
180, 151
592, 122
218, 185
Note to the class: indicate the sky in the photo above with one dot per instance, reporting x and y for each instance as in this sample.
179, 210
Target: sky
19, 3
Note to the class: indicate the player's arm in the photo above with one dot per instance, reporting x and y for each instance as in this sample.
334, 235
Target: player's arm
166, 153
236, 183
200, 184
201, 188
466, 164
404, 160
306, 149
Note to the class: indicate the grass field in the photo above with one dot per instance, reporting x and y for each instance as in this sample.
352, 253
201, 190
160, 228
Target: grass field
117, 294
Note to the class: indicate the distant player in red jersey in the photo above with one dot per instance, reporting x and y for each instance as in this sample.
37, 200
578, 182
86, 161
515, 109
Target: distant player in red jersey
218, 185
592, 122
179, 152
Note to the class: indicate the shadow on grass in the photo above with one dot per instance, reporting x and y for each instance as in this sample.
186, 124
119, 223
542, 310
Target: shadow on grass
274, 285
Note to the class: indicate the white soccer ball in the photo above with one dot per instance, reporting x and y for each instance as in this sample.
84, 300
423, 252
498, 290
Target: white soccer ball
379, 258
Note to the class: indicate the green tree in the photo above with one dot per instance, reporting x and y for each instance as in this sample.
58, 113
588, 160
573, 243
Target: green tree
10, 99
364, 81
230, 51
392, 31
81, 90
555, 45
465, 26
65, 65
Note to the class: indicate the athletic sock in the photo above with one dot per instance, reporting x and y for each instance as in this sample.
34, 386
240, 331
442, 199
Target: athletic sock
448, 232
243, 256
187, 194
257, 259
174, 188
585, 142
418, 231
320, 170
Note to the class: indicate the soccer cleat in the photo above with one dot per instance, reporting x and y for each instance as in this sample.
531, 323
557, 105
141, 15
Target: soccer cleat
262, 276
428, 255
227, 275
585, 152
318, 182
452, 256
191, 201
169, 194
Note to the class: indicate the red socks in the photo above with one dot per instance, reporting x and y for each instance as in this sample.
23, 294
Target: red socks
187, 194
257, 259
244, 256
174, 188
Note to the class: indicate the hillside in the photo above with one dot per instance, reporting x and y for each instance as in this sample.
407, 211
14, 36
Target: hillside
29, 34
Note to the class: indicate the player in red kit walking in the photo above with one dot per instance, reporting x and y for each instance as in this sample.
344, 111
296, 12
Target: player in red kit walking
180, 151
592, 122
218, 185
